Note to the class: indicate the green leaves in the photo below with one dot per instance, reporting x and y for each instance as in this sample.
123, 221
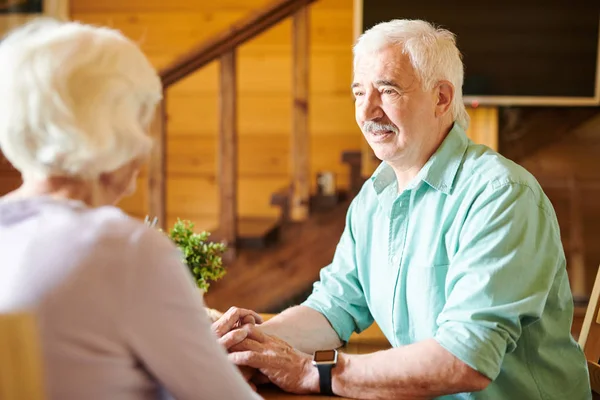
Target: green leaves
203, 258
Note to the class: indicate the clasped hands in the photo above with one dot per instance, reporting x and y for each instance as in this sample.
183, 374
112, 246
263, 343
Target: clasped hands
262, 357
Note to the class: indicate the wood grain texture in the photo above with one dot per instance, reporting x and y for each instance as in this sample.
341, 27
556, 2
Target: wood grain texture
594, 370
589, 338
300, 146
483, 128
228, 150
21, 375
157, 167
166, 30
227, 41
264, 280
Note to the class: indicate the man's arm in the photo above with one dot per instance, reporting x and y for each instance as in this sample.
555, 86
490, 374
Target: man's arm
418, 371
337, 306
304, 328
497, 285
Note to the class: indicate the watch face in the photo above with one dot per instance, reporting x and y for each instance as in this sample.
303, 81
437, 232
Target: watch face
325, 356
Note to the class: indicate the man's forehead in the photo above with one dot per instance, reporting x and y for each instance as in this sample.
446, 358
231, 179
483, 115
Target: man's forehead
380, 66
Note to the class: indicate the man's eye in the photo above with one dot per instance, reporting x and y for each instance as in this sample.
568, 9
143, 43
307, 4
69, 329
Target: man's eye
389, 91
358, 94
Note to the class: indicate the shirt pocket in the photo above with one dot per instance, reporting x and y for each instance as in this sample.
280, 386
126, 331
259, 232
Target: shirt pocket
425, 299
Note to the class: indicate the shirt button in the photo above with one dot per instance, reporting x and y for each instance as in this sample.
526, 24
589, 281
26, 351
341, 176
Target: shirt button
395, 259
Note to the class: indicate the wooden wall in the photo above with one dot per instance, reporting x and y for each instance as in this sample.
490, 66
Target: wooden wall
167, 29
569, 172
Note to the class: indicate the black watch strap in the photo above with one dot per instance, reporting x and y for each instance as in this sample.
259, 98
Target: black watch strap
325, 378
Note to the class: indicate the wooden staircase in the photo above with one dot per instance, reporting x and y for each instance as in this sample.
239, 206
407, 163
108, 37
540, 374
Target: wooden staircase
235, 231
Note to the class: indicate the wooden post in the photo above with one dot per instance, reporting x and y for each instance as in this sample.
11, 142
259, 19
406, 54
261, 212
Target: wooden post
576, 261
157, 166
300, 138
368, 161
483, 128
228, 151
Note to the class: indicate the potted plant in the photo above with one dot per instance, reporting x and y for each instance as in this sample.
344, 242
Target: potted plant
203, 258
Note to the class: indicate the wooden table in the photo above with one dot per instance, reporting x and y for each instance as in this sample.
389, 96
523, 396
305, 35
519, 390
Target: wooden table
368, 341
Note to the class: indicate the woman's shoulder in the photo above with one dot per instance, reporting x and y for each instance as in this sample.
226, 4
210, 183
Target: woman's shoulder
113, 223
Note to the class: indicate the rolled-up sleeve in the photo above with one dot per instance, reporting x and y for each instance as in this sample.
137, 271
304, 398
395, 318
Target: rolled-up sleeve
499, 279
338, 295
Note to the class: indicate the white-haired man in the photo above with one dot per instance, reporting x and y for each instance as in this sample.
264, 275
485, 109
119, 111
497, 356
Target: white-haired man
452, 249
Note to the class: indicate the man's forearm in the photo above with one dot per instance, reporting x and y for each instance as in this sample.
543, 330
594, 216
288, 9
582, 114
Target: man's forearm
422, 370
304, 328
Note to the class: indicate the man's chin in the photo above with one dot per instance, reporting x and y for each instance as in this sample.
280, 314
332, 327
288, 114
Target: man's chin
385, 154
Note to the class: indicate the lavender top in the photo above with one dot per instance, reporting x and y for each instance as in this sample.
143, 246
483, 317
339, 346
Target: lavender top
120, 317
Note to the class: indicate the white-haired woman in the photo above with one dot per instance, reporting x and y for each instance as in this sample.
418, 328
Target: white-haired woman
118, 313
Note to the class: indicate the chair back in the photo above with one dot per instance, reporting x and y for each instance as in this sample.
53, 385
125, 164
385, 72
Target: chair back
21, 371
589, 338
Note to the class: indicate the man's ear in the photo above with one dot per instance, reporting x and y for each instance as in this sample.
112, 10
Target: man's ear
445, 95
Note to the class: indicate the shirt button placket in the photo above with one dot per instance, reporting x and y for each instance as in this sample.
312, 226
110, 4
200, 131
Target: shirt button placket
397, 238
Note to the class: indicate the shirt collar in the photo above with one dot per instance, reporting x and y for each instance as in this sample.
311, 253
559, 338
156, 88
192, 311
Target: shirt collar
440, 170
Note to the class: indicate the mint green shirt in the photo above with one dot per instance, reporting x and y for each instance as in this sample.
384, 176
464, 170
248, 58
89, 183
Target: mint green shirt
469, 254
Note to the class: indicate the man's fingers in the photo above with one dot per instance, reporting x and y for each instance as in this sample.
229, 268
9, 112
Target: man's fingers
233, 338
254, 333
249, 320
248, 359
247, 345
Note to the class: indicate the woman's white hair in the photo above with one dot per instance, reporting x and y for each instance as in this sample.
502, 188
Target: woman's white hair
75, 100
432, 53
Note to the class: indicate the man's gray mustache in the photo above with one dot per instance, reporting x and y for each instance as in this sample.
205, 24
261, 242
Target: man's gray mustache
371, 127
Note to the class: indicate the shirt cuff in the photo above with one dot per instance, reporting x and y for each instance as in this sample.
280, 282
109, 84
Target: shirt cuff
479, 347
340, 320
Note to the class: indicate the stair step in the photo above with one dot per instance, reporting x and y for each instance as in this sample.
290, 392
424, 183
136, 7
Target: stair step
254, 232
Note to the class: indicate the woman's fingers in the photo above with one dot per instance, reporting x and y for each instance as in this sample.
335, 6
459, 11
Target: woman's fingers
232, 317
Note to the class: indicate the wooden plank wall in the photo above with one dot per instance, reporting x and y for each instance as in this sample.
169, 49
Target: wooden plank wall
168, 29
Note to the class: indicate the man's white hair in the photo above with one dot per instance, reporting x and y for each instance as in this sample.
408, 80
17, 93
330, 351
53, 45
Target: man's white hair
432, 53
75, 100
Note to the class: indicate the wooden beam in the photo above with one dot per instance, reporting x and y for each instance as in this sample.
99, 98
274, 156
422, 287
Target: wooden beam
228, 150
157, 166
228, 40
369, 161
300, 145
483, 128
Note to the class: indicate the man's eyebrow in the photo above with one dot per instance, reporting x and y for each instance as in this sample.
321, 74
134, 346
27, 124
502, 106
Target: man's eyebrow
386, 82
355, 85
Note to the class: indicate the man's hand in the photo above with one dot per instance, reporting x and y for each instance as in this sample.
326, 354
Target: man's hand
283, 365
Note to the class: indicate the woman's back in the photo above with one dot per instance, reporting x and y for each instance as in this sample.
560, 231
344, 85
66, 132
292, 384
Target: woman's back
119, 316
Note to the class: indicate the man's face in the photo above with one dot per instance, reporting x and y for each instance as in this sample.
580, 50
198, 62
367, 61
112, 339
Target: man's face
396, 116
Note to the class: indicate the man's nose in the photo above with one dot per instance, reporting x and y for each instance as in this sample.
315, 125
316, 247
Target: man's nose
370, 109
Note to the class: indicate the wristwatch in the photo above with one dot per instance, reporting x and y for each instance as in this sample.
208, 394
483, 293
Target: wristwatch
325, 360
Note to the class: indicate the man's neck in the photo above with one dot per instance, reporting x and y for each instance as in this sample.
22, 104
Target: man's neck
407, 169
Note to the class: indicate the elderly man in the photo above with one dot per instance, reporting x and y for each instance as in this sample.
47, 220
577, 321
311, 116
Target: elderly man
452, 249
